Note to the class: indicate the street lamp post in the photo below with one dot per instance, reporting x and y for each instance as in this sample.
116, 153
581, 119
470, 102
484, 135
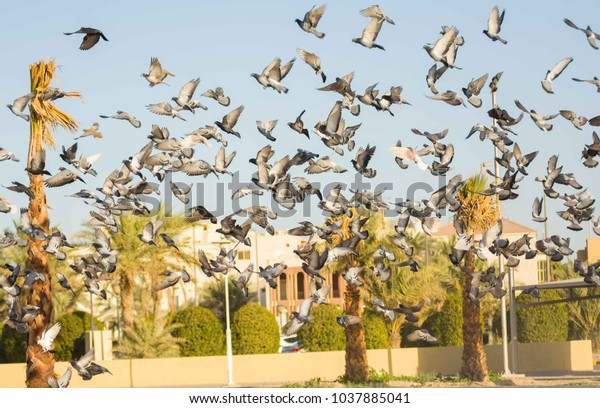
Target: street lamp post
229, 349
506, 372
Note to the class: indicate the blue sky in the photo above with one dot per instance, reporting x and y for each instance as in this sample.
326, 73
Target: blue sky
223, 42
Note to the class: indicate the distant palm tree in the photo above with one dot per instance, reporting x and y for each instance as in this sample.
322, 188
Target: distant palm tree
477, 213
404, 287
150, 338
142, 263
44, 116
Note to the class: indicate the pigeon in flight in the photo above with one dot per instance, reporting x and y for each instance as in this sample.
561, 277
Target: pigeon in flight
91, 38
19, 105
91, 131
473, 89
298, 125
171, 278
369, 34
494, 25
591, 35
63, 177
273, 74
218, 95
184, 101
300, 317
265, 128
122, 115
313, 61
156, 73
377, 13
595, 81
149, 232
311, 20
48, 336
230, 120
553, 73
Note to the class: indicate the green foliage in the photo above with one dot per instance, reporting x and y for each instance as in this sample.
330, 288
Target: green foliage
70, 342
254, 330
13, 345
446, 325
150, 338
376, 330
542, 324
200, 332
323, 334
213, 298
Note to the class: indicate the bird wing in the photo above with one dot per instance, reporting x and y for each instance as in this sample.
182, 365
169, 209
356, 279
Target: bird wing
311, 59
187, 91
476, 85
86, 359
50, 334
273, 69
232, 117
315, 14
520, 106
155, 68
495, 21
334, 118
571, 24
286, 68
305, 307
558, 69
89, 40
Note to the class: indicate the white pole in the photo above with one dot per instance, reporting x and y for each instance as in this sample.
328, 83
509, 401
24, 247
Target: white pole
228, 333
506, 372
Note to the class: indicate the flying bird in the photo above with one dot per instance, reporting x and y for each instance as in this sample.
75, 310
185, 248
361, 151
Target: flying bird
589, 33
311, 20
494, 25
313, 61
122, 115
156, 74
48, 336
553, 73
171, 278
91, 131
230, 120
19, 105
298, 125
91, 38
369, 34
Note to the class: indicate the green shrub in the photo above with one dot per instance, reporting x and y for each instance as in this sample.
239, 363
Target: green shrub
201, 332
376, 331
446, 325
254, 330
13, 345
542, 324
70, 342
323, 334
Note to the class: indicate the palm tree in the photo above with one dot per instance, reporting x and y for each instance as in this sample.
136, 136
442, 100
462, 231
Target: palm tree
404, 286
150, 338
357, 366
44, 116
477, 213
142, 263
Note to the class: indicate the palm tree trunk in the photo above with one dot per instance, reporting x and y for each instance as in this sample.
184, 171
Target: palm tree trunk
474, 362
395, 338
40, 365
127, 300
357, 367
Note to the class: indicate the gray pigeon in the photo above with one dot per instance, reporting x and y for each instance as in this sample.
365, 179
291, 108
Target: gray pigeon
311, 19
171, 278
19, 105
122, 115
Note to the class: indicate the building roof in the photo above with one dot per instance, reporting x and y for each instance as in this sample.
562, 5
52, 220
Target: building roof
508, 227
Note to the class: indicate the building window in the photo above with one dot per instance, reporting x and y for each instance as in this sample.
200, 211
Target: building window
336, 285
243, 255
300, 285
282, 287
542, 268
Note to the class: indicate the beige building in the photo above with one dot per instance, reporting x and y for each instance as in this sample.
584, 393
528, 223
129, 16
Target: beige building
591, 253
529, 271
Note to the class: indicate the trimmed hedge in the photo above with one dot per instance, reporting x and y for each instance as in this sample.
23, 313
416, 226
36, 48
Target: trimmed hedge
446, 324
13, 345
323, 334
201, 332
70, 342
376, 331
542, 324
254, 330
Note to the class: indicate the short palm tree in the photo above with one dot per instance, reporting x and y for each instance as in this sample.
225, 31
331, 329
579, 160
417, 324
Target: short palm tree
44, 117
150, 338
477, 213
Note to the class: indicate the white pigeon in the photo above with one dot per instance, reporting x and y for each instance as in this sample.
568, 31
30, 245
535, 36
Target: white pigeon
48, 336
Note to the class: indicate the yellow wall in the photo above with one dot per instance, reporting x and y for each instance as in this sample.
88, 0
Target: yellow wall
299, 367
593, 250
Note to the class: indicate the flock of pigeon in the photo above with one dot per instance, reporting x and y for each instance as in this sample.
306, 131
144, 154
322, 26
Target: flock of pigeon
278, 176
